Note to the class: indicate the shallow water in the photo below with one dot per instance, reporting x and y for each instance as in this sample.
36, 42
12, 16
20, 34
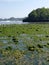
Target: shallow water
30, 57
12, 22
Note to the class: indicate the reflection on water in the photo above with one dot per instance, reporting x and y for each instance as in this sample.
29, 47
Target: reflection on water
12, 22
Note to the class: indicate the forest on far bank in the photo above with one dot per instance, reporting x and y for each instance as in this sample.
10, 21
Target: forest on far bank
38, 15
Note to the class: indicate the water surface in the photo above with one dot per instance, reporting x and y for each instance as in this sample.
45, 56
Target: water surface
12, 22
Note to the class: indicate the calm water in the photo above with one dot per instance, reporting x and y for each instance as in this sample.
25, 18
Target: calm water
12, 22
19, 22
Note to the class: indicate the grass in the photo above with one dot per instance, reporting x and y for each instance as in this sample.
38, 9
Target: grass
10, 30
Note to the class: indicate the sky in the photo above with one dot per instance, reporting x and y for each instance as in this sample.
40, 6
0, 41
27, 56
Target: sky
20, 8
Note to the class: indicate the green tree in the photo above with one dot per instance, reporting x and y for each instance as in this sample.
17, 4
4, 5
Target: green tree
40, 14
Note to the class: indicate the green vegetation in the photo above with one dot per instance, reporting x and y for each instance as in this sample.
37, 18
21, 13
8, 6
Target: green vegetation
38, 15
9, 48
24, 44
40, 46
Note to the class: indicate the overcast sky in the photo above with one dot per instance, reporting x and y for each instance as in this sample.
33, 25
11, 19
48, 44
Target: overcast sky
20, 8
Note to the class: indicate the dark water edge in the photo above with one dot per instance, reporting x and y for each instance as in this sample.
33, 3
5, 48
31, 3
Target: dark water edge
38, 22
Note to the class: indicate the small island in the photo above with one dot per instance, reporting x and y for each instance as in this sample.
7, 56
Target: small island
38, 15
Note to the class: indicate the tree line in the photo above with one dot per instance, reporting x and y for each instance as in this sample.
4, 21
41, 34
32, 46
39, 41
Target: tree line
40, 14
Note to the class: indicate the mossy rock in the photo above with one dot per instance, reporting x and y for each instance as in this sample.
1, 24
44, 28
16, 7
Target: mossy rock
8, 48
31, 48
17, 54
40, 46
39, 50
47, 36
47, 43
14, 39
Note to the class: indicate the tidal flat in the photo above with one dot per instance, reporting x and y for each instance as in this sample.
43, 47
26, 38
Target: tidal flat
24, 44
